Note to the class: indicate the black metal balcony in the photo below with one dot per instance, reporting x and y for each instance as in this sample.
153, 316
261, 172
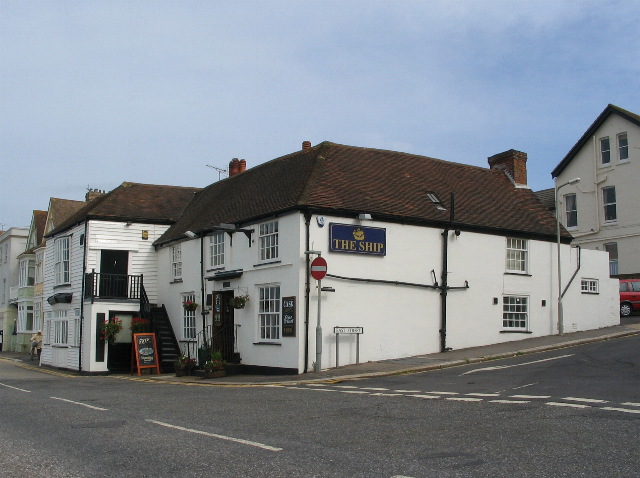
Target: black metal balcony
112, 286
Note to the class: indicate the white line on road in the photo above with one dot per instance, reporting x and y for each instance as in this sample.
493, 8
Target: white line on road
346, 386
571, 405
380, 394
79, 403
626, 410
544, 397
375, 389
464, 399
499, 367
509, 401
585, 400
425, 396
15, 388
352, 391
482, 394
631, 404
525, 386
407, 391
215, 435
444, 393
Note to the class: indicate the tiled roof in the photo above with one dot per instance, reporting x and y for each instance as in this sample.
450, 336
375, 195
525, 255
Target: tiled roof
548, 198
610, 109
346, 180
146, 203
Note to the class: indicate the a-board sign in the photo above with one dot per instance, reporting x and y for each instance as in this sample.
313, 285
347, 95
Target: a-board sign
348, 330
145, 352
288, 316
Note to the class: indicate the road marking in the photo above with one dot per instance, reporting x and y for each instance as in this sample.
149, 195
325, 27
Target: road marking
631, 404
544, 397
509, 401
215, 435
386, 394
444, 393
345, 386
464, 399
79, 403
572, 405
425, 396
15, 388
375, 389
483, 394
408, 391
525, 386
351, 391
626, 410
500, 367
316, 385
585, 400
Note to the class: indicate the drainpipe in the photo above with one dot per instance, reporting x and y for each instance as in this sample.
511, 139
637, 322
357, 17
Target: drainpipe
82, 291
202, 298
307, 290
444, 287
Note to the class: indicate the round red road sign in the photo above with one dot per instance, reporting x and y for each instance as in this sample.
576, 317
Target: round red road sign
318, 268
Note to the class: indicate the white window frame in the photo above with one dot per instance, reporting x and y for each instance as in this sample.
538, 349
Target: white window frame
25, 310
189, 326
571, 215
268, 240
589, 286
176, 262
60, 328
605, 151
216, 249
517, 255
61, 260
610, 206
39, 267
515, 313
269, 313
612, 249
76, 328
27, 273
37, 315
623, 147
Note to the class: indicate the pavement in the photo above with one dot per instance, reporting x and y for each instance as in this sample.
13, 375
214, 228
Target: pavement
419, 363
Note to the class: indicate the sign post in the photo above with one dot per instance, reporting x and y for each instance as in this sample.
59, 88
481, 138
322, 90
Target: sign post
318, 271
145, 353
348, 330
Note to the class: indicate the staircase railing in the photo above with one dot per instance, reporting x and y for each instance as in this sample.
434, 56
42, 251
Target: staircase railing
221, 340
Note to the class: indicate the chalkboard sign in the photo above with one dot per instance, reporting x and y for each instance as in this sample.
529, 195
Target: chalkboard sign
288, 316
145, 352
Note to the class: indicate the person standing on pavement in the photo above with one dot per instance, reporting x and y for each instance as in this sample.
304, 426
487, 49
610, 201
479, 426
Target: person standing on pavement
36, 342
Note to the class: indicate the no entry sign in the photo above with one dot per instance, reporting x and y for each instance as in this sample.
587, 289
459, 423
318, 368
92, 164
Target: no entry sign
318, 268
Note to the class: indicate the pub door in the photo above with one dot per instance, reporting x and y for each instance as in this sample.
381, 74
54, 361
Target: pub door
119, 358
113, 274
222, 335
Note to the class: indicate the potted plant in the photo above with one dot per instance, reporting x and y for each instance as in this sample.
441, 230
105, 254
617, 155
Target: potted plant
184, 365
110, 329
190, 305
139, 325
239, 301
214, 367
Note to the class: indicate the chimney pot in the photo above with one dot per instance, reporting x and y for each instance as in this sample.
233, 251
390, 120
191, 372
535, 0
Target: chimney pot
234, 166
242, 166
306, 144
513, 162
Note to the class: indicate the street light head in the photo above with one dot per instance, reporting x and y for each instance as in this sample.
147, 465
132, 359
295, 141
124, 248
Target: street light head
574, 181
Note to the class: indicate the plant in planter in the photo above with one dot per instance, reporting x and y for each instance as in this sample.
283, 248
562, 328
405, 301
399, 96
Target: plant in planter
139, 325
239, 301
184, 365
110, 329
214, 367
190, 305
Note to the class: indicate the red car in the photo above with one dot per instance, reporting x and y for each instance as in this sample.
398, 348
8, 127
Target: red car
629, 296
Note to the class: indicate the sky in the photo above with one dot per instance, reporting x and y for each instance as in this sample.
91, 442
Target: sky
96, 93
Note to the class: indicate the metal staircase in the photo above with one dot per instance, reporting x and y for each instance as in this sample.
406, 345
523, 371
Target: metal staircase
168, 348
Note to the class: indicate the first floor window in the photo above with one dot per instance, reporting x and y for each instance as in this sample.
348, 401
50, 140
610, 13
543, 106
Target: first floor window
623, 147
517, 255
188, 317
268, 240
61, 261
571, 209
60, 326
589, 286
605, 150
269, 312
609, 202
176, 262
25, 318
612, 249
216, 249
515, 312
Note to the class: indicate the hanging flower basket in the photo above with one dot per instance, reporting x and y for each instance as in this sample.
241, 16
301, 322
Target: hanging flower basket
111, 328
139, 325
239, 301
190, 305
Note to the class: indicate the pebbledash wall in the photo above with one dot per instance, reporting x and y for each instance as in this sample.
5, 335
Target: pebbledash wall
61, 345
398, 320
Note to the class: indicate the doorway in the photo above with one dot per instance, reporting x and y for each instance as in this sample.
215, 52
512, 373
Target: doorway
222, 335
119, 356
114, 267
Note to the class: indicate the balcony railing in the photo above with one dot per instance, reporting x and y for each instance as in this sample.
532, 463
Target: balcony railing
112, 286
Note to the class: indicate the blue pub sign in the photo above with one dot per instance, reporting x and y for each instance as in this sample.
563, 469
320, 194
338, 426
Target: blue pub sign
356, 239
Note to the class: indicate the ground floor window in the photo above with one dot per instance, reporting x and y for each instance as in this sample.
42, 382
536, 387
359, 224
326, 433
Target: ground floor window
188, 316
269, 312
589, 286
60, 328
515, 312
25, 318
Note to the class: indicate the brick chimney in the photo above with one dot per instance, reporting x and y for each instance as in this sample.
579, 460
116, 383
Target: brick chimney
234, 166
514, 163
306, 144
93, 194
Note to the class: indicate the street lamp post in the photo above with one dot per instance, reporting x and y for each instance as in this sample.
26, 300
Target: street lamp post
560, 311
